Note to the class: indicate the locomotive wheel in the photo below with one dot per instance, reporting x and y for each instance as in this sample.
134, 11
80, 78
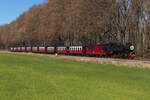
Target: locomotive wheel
124, 55
117, 55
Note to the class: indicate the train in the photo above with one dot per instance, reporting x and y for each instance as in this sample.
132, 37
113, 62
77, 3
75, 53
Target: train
110, 50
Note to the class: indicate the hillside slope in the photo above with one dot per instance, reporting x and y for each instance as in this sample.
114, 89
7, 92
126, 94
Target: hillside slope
80, 22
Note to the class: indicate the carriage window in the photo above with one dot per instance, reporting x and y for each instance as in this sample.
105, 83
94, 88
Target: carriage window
50, 48
93, 49
42, 48
34, 48
28, 48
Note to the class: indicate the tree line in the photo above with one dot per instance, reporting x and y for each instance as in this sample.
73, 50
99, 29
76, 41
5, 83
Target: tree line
81, 22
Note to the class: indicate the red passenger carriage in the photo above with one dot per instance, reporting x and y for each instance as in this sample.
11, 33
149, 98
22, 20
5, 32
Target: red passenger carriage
12, 49
51, 50
62, 50
42, 49
28, 49
15, 49
34, 49
23, 49
76, 50
18, 49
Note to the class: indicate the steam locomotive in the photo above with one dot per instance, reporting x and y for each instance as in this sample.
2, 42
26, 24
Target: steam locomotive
111, 50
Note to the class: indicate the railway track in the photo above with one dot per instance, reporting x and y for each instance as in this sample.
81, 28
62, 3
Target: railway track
107, 59
111, 61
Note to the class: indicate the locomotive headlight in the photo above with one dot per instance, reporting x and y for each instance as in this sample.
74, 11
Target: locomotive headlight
132, 47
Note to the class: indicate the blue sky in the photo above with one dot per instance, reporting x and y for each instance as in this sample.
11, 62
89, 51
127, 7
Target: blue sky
11, 9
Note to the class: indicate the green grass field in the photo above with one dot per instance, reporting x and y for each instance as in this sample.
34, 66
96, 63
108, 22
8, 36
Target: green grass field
33, 77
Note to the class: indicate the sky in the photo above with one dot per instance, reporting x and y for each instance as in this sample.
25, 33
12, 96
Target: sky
12, 9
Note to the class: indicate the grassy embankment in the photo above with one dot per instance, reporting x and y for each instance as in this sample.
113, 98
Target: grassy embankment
32, 77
